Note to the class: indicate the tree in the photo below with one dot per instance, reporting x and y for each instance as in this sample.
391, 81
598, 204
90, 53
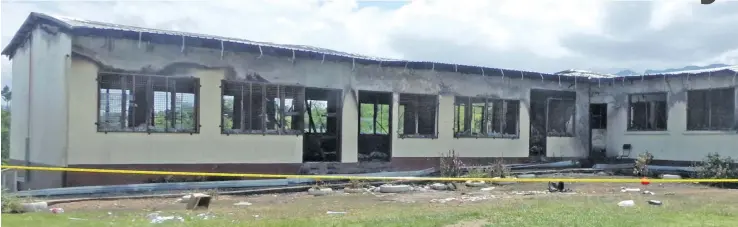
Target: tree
6, 95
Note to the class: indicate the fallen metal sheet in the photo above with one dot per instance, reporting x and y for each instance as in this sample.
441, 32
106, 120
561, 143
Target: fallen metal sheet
182, 186
550, 165
677, 170
613, 166
554, 171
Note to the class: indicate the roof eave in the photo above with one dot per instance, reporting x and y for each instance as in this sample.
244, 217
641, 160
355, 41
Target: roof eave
26, 28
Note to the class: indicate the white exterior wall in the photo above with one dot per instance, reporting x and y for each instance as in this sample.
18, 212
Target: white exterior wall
676, 143
39, 107
90, 147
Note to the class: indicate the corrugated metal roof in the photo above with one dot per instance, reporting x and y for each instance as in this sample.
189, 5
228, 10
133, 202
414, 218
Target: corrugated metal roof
733, 68
72, 24
584, 73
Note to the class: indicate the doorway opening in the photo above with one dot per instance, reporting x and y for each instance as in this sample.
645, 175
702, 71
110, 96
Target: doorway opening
375, 126
322, 135
552, 114
598, 129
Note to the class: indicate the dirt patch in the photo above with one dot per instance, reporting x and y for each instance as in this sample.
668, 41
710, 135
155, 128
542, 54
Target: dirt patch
367, 200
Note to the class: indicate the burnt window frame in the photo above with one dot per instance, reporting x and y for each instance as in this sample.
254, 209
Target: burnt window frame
297, 113
630, 127
149, 86
416, 99
598, 120
467, 100
707, 102
550, 133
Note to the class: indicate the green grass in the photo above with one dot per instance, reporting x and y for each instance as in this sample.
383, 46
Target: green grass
693, 210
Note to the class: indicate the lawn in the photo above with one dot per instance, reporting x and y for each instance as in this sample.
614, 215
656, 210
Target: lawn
592, 205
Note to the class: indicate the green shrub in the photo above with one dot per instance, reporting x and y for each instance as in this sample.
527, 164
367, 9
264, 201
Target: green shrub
10, 204
476, 173
499, 169
451, 165
641, 164
716, 167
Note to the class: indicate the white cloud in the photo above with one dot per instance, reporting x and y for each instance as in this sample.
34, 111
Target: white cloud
538, 35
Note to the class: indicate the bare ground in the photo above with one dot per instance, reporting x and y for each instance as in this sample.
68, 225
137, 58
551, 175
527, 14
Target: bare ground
424, 196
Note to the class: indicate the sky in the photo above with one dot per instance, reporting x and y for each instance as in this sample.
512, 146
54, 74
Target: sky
534, 35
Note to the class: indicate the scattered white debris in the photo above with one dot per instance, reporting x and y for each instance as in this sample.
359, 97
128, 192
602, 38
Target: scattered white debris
487, 189
626, 203
442, 200
648, 193
624, 189
336, 212
154, 218
205, 216
78, 219
242, 204
528, 192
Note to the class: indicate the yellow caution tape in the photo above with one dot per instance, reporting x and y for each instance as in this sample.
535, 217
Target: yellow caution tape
338, 177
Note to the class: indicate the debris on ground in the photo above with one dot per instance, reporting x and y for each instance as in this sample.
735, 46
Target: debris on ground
648, 193
624, 189
155, 218
56, 210
205, 216
336, 212
242, 204
487, 189
439, 186
199, 201
391, 188
655, 202
626, 203
34, 207
557, 187
670, 176
464, 198
475, 183
318, 191
528, 192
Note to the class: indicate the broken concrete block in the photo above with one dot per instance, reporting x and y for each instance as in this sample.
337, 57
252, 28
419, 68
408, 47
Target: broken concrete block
34, 207
475, 184
439, 186
389, 188
626, 203
199, 201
